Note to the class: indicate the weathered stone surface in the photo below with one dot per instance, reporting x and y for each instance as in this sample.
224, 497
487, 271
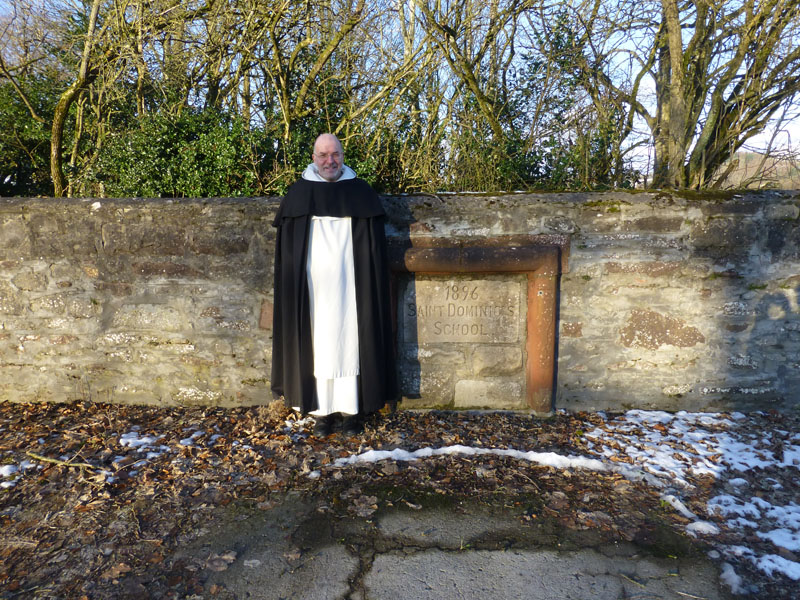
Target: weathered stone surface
790, 212
488, 394
30, 281
220, 241
15, 239
743, 361
115, 288
12, 302
461, 311
165, 269
496, 360
651, 269
193, 396
651, 330
432, 387
265, 318
51, 303
723, 236
153, 317
560, 224
656, 224
572, 329
435, 354
82, 307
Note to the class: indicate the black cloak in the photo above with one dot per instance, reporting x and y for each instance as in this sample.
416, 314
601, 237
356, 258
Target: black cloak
292, 352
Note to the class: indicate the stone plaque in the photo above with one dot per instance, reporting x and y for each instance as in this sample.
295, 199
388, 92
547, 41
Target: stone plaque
461, 310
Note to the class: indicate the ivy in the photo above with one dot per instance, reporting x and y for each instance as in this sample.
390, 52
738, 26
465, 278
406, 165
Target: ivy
194, 154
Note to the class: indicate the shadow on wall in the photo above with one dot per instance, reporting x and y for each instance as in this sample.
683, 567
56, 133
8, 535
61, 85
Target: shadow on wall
475, 315
681, 304
778, 364
408, 357
753, 250
671, 302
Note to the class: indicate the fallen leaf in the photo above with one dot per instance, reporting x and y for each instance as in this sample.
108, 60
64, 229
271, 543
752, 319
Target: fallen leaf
293, 555
220, 562
116, 571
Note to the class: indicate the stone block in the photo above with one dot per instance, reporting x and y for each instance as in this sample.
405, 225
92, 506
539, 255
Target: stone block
118, 237
153, 317
30, 282
654, 268
265, 318
194, 396
677, 390
70, 272
50, 304
560, 224
74, 236
433, 355
736, 326
165, 239
788, 212
497, 395
571, 329
220, 241
654, 224
743, 361
493, 361
434, 386
461, 311
723, 236
732, 206
651, 330
15, 238
737, 309
82, 307
12, 302
65, 325
165, 269
114, 288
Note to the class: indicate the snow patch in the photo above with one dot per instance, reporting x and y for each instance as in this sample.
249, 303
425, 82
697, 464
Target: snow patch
731, 579
702, 528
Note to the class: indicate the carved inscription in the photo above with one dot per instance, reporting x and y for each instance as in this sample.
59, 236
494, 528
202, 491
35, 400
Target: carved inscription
457, 310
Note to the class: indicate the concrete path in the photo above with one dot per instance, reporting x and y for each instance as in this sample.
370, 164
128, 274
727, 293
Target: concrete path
470, 552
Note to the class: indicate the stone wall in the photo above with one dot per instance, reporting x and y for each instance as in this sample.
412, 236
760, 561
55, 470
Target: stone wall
665, 301
147, 301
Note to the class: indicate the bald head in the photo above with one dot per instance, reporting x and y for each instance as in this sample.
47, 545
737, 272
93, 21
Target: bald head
328, 156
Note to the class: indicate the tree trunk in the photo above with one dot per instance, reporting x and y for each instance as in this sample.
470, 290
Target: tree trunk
57, 135
64, 103
671, 140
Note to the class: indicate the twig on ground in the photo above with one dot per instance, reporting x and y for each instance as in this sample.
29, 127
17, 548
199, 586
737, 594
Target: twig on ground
60, 463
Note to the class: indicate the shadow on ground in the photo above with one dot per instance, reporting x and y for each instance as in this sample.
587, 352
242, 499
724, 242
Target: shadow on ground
429, 547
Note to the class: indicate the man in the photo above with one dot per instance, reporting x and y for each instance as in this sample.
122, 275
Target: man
332, 345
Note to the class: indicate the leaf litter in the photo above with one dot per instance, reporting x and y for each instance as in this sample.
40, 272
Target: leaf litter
95, 499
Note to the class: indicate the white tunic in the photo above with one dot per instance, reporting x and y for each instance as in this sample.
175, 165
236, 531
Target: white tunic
334, 322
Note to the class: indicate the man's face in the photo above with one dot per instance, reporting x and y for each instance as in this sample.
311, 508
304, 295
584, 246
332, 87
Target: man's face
327, 157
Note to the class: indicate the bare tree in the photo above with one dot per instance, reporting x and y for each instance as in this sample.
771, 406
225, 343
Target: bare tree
477, 42
718, 71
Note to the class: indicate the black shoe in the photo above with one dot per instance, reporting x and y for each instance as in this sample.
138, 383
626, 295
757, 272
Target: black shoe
352, 424
323, 425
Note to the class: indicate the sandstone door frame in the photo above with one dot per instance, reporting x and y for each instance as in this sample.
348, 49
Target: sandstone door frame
541, 260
